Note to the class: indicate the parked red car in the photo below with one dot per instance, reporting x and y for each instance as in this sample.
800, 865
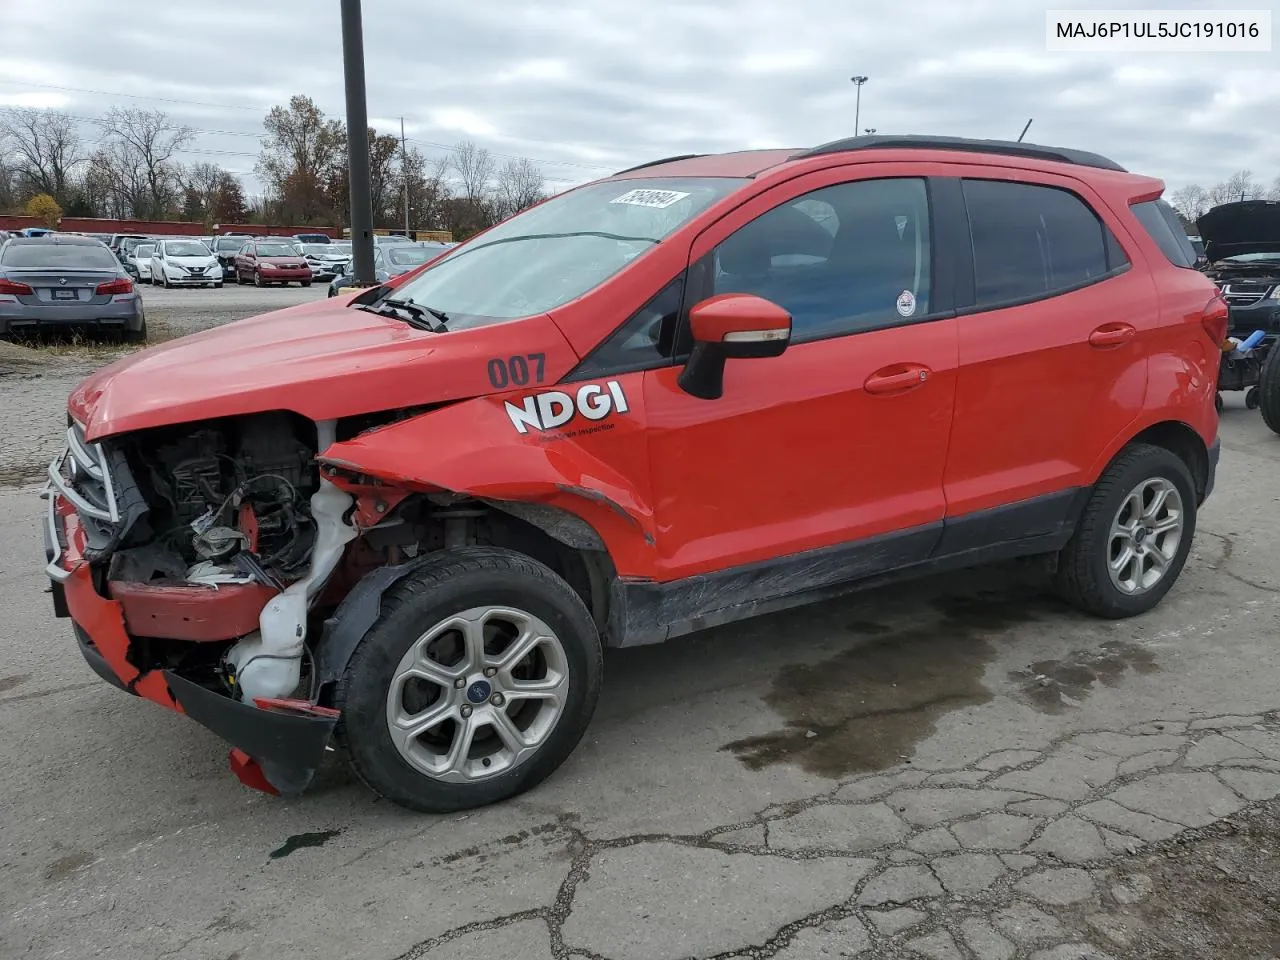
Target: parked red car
262, 262
695, 391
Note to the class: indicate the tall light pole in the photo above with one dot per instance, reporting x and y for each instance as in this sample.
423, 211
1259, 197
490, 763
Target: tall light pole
857, 110
357, 143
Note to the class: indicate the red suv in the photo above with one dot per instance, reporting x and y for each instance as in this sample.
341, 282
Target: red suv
698, 390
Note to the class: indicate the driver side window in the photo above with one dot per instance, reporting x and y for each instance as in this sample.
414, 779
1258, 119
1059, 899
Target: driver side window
840, 260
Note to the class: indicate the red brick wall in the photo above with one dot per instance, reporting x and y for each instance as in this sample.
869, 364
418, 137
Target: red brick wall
162, 227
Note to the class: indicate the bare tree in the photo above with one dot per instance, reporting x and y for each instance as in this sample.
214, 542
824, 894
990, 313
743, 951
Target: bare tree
427, 187
1190, 201
46, 149
520, 185
118, 175
475, 169
202, 180
147, 140
1274, 192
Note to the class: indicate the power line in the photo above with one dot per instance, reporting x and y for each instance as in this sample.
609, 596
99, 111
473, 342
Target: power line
263, 136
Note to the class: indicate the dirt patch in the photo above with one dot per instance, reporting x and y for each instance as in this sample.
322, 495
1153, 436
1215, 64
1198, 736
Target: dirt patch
1211, 894
868, 706
67, 866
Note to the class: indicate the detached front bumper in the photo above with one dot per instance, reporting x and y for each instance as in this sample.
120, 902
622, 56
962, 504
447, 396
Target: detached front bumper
277, 745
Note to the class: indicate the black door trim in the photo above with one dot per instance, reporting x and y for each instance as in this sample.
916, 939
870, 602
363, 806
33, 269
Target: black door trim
642, 611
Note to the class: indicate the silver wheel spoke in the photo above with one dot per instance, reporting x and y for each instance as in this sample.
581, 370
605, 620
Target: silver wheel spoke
411, 726
431, 672
512, 737
1157, 503
520, 648
455, 761
1166, 525
473, 640
1122, 561
549, 688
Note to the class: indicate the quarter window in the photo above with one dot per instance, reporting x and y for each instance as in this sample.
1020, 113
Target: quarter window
645, 341
1032, 241
840, 260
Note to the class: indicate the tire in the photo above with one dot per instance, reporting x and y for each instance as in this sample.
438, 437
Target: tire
444, 585
257, 279
218, 285
1084, 577
137, 336
306, 283
239, 279
1251, 399
1218, 403
1269, 390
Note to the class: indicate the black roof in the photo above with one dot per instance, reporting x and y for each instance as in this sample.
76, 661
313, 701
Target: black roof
1008, 148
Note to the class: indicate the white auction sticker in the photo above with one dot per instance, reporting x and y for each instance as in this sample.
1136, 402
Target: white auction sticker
650, 198
906, 303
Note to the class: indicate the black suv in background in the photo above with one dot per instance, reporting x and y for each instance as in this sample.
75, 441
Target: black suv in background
225, 247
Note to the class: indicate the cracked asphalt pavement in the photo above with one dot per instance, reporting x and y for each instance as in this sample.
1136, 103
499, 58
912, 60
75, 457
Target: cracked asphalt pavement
956, 768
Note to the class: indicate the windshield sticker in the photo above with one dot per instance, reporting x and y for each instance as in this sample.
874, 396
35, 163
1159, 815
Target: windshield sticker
554, 409
906, 303
650, 198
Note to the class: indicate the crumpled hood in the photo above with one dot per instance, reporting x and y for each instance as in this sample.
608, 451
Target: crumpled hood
1247, 226
322, 360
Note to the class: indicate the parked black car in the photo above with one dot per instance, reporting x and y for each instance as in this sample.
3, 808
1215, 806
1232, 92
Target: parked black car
225, 247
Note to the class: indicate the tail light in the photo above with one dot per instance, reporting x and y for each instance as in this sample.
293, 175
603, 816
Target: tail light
1214, 319
17, 289
112, 287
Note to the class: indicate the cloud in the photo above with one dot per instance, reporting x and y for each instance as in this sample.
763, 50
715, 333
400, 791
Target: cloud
585, 87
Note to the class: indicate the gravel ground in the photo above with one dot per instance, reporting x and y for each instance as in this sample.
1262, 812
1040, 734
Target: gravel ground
35, 378
956, 769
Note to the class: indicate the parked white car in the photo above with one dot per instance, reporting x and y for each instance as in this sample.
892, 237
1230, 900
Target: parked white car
138, 261
185, 263
327, 260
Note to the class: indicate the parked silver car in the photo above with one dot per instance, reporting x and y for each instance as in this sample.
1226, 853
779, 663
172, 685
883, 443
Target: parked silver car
60, 282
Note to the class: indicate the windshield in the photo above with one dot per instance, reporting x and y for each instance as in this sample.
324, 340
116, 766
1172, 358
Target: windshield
143, 250
410, 255
278, 250
188, 248
559, 250
89, 256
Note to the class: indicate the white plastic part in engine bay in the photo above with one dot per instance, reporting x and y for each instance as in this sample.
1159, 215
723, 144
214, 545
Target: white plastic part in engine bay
268, 662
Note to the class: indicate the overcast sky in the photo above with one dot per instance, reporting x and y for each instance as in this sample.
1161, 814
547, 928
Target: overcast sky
584, 87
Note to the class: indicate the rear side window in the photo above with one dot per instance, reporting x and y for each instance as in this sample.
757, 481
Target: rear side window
1031, 241
1159, 220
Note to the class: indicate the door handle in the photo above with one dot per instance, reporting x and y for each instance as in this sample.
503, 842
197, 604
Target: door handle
1112, 335
896, 379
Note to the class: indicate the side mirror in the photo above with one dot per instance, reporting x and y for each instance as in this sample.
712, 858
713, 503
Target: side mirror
731, 325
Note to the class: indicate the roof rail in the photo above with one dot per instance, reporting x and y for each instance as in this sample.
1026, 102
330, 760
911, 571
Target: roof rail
654, 163
1008, 148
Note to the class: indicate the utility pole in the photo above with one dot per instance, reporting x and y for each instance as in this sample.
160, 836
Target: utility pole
357, 143
404, 175
857, 110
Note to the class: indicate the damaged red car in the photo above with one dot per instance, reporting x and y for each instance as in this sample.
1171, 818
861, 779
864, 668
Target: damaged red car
406, 521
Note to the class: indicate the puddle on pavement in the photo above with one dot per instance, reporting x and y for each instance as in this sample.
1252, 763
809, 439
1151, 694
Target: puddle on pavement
867, 707
300, 840
1053, 686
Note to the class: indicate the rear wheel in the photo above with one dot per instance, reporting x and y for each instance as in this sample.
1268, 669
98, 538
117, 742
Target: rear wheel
1133, 537
476, 682
137, 336
306, 283
1269, 390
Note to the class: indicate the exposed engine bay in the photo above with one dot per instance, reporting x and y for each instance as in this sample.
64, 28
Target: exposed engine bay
228, 501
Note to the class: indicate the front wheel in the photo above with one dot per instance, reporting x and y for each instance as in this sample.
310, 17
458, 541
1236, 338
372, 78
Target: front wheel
305, 283
257, 279
476, 682
1269, 390
1133, 537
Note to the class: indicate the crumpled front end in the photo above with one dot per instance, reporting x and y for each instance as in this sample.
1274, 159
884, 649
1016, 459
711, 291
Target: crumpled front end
207, 617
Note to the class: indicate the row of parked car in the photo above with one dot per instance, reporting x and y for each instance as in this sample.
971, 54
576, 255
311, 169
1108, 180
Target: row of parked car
50, 279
